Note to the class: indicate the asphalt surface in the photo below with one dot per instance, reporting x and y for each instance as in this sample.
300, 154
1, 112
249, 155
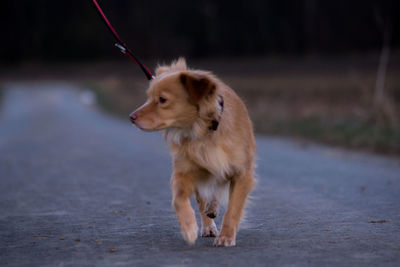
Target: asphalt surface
79, 187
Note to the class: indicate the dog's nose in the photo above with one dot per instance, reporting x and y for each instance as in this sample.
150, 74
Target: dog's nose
133, 117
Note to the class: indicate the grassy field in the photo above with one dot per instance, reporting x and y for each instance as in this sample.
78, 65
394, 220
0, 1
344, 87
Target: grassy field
326, 100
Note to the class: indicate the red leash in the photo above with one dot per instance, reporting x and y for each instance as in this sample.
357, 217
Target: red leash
121, 45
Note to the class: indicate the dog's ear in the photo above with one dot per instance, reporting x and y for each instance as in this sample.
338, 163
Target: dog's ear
177, 65
198, 86
161, 69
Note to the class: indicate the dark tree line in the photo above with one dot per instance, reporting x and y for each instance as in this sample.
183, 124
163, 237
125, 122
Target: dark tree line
47, 30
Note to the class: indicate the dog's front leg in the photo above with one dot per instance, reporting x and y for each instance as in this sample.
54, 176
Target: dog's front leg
239, 189
182, 188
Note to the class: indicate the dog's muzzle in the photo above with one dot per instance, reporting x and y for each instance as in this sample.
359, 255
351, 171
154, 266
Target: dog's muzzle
133, 117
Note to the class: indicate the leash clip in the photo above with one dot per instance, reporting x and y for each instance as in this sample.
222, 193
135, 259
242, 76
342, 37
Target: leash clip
121, 48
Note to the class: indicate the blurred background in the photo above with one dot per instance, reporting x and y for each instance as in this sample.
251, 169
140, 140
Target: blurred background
326, 71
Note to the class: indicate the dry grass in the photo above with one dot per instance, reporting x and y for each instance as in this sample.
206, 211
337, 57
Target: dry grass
331, 104
328, 100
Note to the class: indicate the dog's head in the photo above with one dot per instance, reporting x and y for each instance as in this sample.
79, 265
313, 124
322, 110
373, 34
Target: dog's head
177, 97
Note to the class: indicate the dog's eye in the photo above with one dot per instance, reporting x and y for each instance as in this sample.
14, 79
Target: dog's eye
162, 100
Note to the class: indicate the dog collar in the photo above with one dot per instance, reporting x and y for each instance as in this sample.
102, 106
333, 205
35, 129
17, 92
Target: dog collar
215, 123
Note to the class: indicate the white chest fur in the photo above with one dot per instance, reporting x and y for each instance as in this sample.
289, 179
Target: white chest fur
216, 161
213, 159
211, 189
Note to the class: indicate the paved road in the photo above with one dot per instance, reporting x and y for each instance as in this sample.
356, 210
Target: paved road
78, 187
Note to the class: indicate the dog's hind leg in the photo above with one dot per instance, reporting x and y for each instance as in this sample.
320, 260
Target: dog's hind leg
208, 227
212, 208
240, 187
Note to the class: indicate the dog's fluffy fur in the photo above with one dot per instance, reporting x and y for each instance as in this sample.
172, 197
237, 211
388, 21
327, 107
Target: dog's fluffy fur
212, 144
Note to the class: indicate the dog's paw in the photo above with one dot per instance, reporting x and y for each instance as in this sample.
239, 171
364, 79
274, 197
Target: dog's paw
189, 232
209, 230
224, 241
211, 214
212, 209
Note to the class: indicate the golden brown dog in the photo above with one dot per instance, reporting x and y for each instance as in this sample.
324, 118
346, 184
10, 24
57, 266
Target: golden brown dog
212, 144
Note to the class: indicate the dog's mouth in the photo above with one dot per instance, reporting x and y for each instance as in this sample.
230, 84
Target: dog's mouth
141, 127
146, 129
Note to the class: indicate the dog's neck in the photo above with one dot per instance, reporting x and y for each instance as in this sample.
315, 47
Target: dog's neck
199, 129
215, 123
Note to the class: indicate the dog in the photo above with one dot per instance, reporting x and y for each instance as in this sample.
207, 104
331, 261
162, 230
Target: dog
212, 144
